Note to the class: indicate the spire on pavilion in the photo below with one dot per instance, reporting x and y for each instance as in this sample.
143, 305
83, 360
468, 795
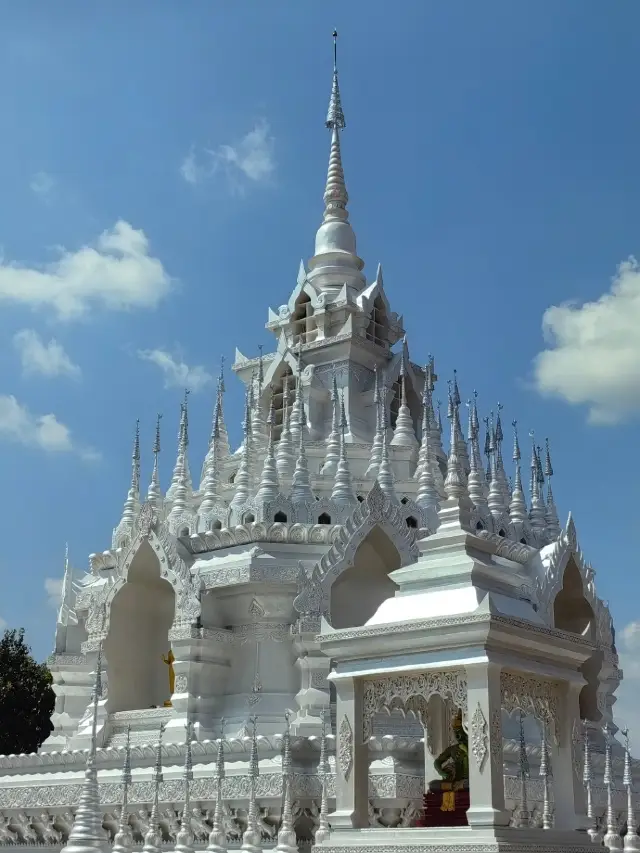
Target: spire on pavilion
427, 495
463, 454
476, 482
268, 489
333, 440
132, 503
181, 473
301, 484
218, 429
242, 479
297, 420
517, 505
537, 512
553, 523
496, 502
182, 489
123, 839
153, 835
501, 473
154, 493
385, 472
258, 420
404, 434
335, 260
454, 482
87, 834
285, 455
211, 484
426, 427
376, 447
342, 492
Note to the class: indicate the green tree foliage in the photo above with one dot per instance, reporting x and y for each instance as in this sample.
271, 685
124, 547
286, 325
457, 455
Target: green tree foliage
26, 696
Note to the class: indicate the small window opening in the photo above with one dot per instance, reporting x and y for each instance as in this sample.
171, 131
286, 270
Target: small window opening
412, 522
280, 516
249, 518
325, 518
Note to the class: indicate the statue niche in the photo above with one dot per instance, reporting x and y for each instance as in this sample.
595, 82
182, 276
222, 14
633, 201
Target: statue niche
447, 799
361, 588
137, 645
573, 613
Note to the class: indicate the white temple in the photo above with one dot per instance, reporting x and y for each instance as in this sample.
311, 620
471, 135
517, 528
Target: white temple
356, 571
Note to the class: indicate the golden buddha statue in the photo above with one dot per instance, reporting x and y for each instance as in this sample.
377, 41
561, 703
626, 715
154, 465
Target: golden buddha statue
170, 660
453, 766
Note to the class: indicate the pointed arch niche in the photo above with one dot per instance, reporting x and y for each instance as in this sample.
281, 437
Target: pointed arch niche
572, 612
141, 615
361, 588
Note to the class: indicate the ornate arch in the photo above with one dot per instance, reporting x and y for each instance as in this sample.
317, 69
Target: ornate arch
173, 569
375, 511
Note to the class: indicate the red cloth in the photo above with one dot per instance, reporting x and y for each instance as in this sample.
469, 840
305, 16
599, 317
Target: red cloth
434, 816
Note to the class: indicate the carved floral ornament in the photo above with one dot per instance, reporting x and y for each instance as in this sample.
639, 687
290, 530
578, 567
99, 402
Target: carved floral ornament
398, 691
479, 737
534, 697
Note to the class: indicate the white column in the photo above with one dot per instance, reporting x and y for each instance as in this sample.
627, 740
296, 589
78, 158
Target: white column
352, 758
486, 778
568, 791
437, 736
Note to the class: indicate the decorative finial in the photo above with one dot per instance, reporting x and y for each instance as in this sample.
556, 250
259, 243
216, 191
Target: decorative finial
335, 115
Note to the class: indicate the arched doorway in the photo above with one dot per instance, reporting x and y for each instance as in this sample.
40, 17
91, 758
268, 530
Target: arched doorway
573, 613
360, 589
141, 615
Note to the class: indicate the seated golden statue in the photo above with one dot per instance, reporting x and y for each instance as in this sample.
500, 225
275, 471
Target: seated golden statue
453, 766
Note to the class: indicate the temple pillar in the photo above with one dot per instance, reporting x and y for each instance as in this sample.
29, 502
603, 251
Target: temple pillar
437, 735
352, 757
568, 790
486, 776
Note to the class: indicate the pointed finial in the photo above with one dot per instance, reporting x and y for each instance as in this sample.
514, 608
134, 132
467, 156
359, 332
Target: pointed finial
548, 468
335, 115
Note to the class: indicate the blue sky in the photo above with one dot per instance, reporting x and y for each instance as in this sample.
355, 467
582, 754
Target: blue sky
162, 168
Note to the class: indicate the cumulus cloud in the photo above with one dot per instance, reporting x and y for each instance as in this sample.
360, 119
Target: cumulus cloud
250, 160
53, 588
177, 374
593, 350
43, 185
117, 273
3, 623
627, 708
43, 359
44, 432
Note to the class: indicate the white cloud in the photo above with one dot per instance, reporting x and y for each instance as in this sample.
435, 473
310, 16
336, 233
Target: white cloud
43, 185
627, 708
44, 432
593, 352
118, 274
3, 623
53, 588
249, 161
177, 374
43, 359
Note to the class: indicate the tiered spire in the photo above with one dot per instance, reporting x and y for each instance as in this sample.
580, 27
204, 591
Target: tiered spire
551, 516
476, 483
496, 495
87, 834
323, 831
287, 842
612, 839
342, 492
268, 489
132, 503
454, 483
631, 839
153, 835
218, 834
404, 434
301, 487
181, 479
219, 435
385, 472
154, 493
251, 839
285, 455
242, 480
184, 839
258, 422
211, 482
123, 840
537, 512
333, 440
376, 447
517, 506
463, 454
427, 495
297, 420
501, 473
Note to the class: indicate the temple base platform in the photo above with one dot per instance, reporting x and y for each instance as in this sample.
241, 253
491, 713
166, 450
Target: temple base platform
455, 840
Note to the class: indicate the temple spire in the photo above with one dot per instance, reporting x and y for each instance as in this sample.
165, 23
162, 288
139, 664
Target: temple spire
376, 447
342, 492
404, 434
285, 456
212, 470
537, 511
218, 428
476, 482
427, 495
154, 493
242, 480
517, 505
335, 261
301, 485
495, 500
551, 516
132, 503
385, 472
333, 440
87, 834
182, 481
454, 482
268, 488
